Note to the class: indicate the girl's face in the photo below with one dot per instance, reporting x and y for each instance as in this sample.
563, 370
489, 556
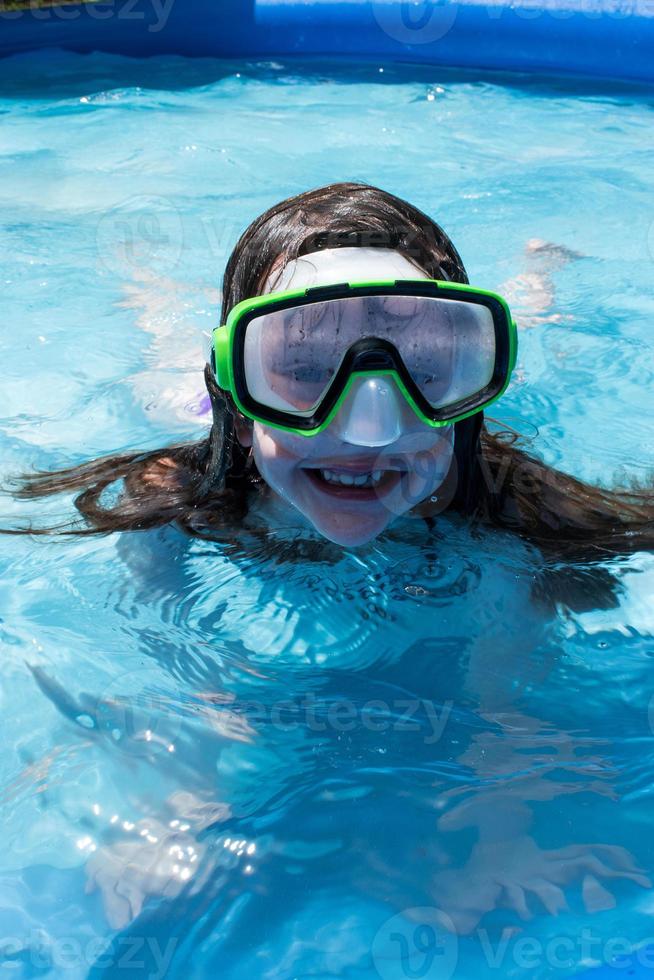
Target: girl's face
374, 430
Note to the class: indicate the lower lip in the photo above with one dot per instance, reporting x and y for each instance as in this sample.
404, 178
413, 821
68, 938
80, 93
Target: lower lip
389, 480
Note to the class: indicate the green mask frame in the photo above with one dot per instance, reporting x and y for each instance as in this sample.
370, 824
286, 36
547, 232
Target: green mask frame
365, 358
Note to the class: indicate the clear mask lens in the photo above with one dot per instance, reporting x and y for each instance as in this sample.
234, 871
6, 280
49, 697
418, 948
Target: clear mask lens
292, 356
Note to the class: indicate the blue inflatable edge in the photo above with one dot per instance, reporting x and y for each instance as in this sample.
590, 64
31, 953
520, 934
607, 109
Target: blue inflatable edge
607, 39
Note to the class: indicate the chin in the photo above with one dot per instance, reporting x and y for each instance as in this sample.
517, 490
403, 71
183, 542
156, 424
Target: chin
351, 537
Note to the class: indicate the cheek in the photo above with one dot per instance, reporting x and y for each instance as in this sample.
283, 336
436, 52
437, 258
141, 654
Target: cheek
445, 450
276, 447
431, 465
425, 449
275, 450
445, 459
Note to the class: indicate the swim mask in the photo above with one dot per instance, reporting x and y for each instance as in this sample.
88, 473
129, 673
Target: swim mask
290, 358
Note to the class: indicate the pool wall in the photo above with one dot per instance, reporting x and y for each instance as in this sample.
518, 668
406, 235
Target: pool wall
597, 38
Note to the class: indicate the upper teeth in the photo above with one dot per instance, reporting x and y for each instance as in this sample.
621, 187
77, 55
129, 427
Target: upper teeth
348, 480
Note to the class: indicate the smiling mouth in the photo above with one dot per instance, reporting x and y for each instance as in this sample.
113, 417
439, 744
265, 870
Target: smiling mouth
350, 484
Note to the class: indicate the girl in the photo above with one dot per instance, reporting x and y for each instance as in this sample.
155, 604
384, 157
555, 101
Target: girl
406, 462
376, 458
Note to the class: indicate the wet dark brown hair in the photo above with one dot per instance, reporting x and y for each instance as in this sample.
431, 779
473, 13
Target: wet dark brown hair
205, 487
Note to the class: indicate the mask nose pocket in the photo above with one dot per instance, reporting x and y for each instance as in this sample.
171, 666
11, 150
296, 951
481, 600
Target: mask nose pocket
372, 414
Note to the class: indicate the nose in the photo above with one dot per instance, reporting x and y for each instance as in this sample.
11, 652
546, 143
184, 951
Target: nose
374, 413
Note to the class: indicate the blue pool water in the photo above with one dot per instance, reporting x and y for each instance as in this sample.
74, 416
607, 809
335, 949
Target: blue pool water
284, 759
